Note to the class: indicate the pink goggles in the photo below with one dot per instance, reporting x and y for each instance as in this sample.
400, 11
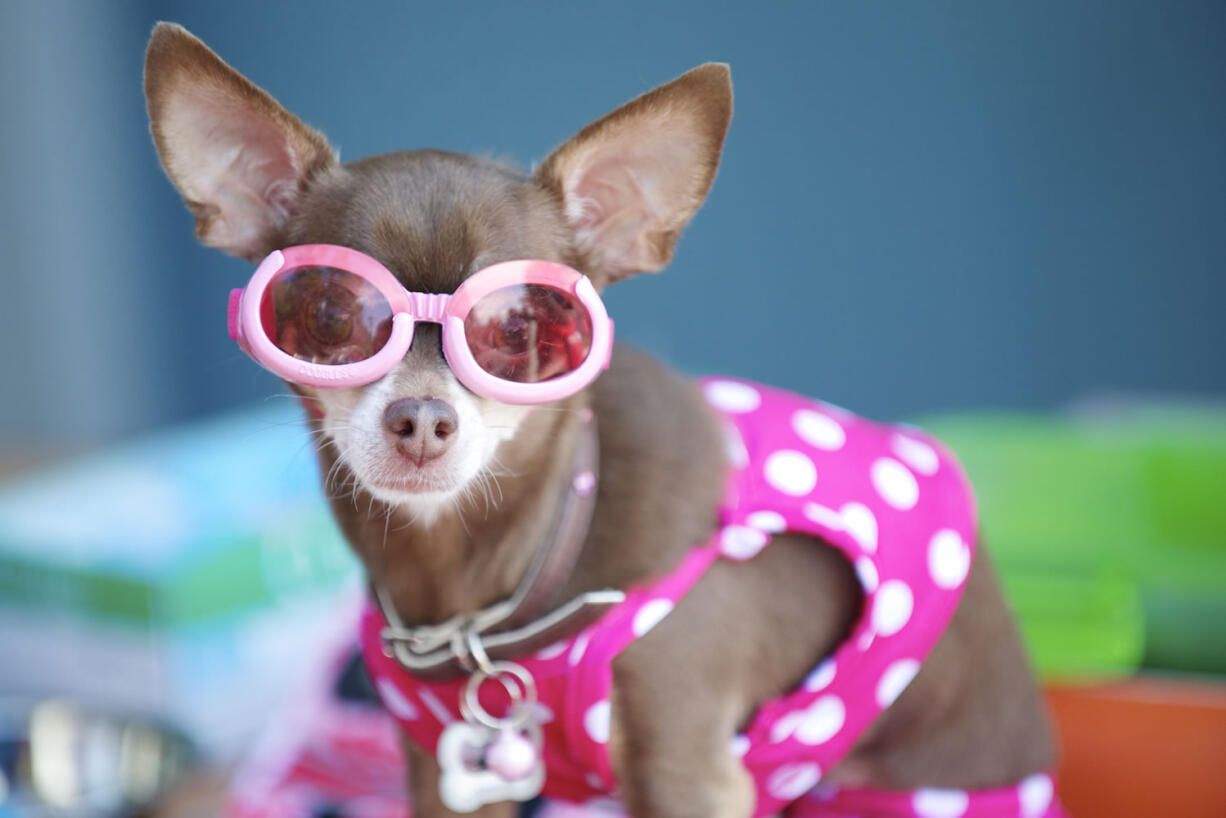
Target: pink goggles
329, 316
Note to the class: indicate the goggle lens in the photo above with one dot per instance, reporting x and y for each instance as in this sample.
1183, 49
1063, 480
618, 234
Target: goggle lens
528, 333
325, 316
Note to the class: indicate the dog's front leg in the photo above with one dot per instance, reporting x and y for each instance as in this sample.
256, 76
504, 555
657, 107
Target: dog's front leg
423, 788
677, 701
746, 632
674, 762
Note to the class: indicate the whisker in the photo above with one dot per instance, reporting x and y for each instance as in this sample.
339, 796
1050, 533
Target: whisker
387, 519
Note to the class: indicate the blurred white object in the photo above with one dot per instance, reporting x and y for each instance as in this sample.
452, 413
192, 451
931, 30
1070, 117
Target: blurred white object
191, 577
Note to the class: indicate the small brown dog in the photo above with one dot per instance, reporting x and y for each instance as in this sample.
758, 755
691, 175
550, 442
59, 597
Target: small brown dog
447, 496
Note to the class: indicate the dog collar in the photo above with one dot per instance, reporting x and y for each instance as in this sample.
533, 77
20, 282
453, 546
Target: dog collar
521, 623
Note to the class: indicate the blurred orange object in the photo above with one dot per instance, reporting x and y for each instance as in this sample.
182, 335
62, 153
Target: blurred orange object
1147, 746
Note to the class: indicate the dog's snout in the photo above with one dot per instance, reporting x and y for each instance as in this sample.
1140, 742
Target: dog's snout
422, 429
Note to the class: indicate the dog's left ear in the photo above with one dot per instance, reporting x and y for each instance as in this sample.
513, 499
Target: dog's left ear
630, 181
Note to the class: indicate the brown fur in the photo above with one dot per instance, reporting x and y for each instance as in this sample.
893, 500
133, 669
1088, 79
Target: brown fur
971, 718
180, 68
702, 99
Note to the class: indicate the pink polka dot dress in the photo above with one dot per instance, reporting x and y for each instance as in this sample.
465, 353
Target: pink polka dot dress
893, 500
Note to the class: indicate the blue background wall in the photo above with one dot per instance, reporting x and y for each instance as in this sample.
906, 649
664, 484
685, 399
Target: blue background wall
922, 206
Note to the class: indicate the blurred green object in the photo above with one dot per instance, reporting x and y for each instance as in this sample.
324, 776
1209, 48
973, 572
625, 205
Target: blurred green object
1109, 528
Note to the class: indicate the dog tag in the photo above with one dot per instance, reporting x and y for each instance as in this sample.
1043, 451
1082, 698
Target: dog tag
485, 759
482, 765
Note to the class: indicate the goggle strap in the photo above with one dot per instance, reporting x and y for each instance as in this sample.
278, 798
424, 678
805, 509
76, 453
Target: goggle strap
232, 314
311, 407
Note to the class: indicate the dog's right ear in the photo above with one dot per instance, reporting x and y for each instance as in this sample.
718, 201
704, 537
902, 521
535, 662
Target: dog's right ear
629, 182
239, 159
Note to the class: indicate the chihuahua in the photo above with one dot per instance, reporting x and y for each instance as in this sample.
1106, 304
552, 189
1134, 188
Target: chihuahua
565, 541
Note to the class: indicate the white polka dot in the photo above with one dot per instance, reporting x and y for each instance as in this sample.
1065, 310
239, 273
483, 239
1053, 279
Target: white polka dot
594, 781
791, 472
596, 722
916, 453
821, 676
892, 608
539, 713
949, 559
816, 724
933, 803
395, 701
435, 705
734, 447
866, 571
1035, 794
866, 640
739, 745
824, 516
596, 807
823, 720
732, 396
895, 483
786, 725
836, 411
552, 651
824, 793
791, 781
650, 615
818, 430
895, 680
578, 649
741, 542
771, 521
860, 523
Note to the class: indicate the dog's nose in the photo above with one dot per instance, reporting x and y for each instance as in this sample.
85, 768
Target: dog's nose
421, 429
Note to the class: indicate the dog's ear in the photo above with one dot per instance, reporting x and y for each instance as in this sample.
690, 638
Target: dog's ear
238, 158
630, 181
